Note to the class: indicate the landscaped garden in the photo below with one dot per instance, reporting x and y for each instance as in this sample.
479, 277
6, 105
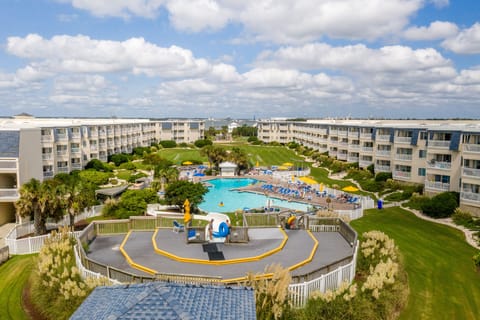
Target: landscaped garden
444, 282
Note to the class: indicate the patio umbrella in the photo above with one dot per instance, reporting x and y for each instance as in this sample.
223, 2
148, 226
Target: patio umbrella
288, 164
307, 180
187, 163
350, 189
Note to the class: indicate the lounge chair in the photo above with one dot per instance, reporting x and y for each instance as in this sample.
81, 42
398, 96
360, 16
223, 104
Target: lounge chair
177, 227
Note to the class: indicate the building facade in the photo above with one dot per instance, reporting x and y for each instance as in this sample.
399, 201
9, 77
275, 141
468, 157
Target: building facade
42, 147
441, 155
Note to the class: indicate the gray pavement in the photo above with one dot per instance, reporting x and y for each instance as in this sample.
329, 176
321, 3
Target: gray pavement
139, 247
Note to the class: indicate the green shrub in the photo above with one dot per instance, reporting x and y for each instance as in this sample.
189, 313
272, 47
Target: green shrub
120, 158
441, 206
383, 176
202, 143
96, 177
97, 165
168, 143
398, 196
183, 145
476, 259
416, 202
371, 168
127, 166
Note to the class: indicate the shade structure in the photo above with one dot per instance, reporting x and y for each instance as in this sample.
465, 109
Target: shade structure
308, 180
187, 163
350, 189
287, 164
282, 168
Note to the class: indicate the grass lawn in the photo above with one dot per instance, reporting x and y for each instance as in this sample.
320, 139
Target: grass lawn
13, 276
179, 155
442, 277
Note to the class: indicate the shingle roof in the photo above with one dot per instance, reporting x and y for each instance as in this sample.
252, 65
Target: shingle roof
163, 300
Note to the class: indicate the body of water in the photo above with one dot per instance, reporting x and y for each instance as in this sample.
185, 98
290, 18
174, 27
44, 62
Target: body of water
221, 197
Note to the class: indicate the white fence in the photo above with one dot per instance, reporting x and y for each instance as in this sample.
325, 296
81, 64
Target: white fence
300, 292
34, 244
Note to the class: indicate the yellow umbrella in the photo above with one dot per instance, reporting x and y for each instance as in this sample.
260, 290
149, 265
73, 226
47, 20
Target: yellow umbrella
322, 187
288, 164
257, 165
282, 168
187, 163
308, 180
350, 189
186, 207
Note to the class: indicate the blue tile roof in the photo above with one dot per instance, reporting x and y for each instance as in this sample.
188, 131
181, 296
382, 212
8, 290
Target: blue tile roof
165, 300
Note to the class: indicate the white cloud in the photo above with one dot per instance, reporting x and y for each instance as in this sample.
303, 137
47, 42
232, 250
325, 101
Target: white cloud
118, 8
280, 21
465, 42
353, 58
82, 54
440, 3
91, 83
436, 30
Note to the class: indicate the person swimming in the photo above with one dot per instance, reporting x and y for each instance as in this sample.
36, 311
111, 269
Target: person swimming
221, 204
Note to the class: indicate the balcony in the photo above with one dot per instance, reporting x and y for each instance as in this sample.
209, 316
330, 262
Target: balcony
402, 174
75, 150
407, 140
441, 144
439, 165
342, 133
437, 185
76, 136
364, 163
354, 146
76, 166
342, 156
103, 158
383, 137
47, 156
62, 170
403, 157
471, 148
46, 138
352, 159
367, 149
470, 196
62, 136
8, 164
471, 172
383, 153
380, 168
62, 153
9, 193
366, 136
332, 153
48, 174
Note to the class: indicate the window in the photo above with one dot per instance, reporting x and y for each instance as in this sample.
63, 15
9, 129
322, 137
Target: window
422, 153
421, 172
423, 135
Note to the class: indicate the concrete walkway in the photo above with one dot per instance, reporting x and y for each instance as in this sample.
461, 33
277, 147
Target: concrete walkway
4, 230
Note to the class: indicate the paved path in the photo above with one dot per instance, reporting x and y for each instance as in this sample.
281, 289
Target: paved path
4, 230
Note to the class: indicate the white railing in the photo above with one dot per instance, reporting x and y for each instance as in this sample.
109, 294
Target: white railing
436, 185
383, 137
364, 163
47, 156
475, 148
341, 156
367, 149
354, 146
470, 196
402, 174
8, 164
33, 244
352, 159
300, 292
403, 156
9, 193
403, 139
439, 165
383, 153
439, 143
379, 168
471, 172
367, 136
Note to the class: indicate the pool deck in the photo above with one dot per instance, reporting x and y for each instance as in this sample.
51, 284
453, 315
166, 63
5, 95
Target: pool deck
139, 247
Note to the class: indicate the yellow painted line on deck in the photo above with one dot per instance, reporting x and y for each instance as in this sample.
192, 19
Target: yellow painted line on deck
219, 262
130, 261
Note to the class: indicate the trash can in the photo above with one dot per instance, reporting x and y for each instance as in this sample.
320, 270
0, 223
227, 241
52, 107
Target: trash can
380, 204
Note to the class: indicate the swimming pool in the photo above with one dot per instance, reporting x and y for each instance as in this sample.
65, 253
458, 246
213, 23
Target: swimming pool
220, 191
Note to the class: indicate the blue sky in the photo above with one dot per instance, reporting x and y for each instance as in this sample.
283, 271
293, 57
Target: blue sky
240, 59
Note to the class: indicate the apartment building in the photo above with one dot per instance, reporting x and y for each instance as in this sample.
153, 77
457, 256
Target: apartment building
442, 155
42, 147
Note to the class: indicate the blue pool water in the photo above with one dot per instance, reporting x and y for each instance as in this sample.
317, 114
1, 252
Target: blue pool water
220, 191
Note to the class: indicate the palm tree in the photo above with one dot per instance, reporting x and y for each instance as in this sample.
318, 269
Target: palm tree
29, 204
214, 154
238, 157
77, 194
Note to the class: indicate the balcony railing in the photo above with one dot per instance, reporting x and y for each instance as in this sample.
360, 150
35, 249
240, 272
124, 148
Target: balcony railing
443, 144
471, 172
403, 140
439, 165
342, 156
402, 174
403, 157
383, 137
9, 193
436, 185
342, 133
8, 164
62, 136
332, 153
76, 166
75, 150
380, 168
48, 174
470, 196
473, 148
62, 169
47, 156
366, 136
364, 163
352, 159
383, 153
62, 152
354, 146
46, 138
367, 149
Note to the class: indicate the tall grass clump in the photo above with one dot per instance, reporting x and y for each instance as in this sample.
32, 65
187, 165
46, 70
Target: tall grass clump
57, 287
271, 294
380, 290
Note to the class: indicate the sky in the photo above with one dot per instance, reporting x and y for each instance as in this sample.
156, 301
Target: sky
240, 59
